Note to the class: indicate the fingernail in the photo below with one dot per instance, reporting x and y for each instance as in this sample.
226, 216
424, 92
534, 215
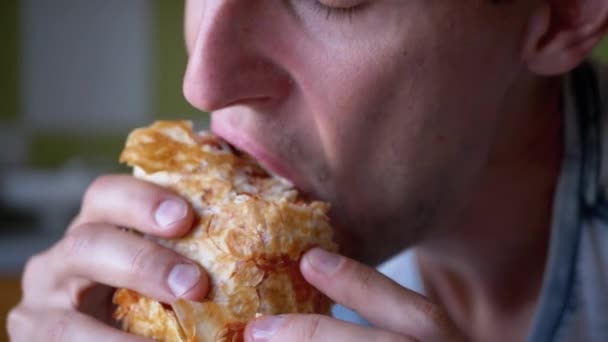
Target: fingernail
169, 212
323, 261
263, 330
182, 278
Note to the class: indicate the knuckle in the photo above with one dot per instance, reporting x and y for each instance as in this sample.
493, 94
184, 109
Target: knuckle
435, 318
364, 279
145, 258
435, 314
92, 190
15, 322
96, 189
27, 269
31, 269
367, 279
76, 242
102, 182
90, 200
311, 329
361, 280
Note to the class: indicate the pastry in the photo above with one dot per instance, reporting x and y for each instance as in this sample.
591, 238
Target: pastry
250, 232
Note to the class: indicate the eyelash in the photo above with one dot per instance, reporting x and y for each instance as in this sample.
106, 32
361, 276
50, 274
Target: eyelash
335, 12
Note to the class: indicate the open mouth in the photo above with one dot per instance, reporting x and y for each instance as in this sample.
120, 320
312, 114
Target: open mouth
242, 145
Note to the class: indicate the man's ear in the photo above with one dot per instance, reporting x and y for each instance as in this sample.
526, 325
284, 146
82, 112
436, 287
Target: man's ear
562, 33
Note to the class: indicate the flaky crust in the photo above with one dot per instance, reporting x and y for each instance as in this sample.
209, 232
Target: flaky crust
250, 233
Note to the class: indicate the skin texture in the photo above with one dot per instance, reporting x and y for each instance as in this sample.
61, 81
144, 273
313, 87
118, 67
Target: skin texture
432, 124
350, 105
67, 289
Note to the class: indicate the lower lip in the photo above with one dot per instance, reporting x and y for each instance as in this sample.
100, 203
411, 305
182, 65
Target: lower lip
248, 146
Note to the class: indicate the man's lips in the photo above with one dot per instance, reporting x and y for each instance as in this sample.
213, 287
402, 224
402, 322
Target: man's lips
249, 146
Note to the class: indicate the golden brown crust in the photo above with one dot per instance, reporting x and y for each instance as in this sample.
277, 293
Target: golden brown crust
147, 317
251, 231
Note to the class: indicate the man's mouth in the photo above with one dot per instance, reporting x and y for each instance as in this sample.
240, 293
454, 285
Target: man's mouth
244, 143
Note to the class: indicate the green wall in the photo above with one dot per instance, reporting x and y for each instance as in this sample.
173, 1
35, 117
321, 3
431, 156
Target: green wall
48, 151
171, 60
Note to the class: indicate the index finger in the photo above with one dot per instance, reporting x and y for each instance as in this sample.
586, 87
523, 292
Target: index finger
374, 296
122, 200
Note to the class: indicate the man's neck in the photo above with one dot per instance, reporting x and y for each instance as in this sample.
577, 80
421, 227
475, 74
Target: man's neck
487, 269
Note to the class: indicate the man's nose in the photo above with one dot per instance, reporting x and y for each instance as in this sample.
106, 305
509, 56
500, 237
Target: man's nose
231, 61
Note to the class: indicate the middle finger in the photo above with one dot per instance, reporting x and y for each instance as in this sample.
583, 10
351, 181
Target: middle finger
107, 255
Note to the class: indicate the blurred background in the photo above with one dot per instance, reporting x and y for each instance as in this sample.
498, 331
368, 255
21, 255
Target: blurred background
75, 77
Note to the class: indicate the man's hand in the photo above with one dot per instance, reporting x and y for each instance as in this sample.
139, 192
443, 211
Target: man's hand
396, 313
67, 289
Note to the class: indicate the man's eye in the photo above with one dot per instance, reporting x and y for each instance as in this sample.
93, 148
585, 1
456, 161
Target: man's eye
339, 8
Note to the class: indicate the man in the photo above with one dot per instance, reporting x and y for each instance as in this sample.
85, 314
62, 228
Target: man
453, 129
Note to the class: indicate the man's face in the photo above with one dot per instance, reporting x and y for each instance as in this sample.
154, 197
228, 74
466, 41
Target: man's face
386, 110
